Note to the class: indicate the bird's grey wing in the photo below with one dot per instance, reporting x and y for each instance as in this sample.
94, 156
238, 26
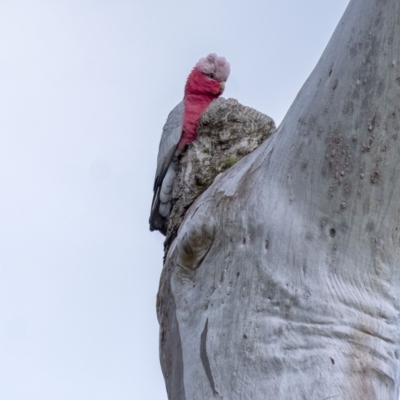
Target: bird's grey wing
170, 137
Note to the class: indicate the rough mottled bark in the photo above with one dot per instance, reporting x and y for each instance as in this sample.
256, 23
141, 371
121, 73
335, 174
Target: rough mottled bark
227, 132
284, 279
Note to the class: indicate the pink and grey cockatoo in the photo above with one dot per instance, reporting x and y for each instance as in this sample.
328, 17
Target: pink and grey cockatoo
204, 84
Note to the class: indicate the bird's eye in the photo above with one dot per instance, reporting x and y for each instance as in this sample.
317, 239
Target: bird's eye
212, 76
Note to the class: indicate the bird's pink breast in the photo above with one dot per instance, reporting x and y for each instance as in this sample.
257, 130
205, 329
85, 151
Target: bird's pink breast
200, 91
195, 105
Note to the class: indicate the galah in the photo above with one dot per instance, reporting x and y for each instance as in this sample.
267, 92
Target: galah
204, 84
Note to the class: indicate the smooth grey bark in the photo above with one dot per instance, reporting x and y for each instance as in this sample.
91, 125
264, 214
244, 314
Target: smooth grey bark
296, 295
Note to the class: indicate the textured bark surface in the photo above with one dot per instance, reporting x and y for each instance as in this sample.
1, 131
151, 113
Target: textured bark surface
284, 279
227, 132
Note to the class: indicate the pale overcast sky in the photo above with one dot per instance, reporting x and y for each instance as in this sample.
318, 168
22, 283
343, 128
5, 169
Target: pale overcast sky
85, 88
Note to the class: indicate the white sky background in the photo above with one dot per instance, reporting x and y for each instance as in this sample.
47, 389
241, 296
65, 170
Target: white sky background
85, 88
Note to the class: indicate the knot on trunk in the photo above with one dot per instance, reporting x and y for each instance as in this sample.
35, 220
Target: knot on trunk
227, 132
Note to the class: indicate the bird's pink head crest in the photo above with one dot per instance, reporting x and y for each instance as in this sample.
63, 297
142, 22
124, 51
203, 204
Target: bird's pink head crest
212, 64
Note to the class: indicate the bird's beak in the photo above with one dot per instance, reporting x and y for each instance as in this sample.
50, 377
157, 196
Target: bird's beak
222, 86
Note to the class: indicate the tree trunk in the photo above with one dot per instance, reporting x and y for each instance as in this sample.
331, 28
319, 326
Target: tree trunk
282, 282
